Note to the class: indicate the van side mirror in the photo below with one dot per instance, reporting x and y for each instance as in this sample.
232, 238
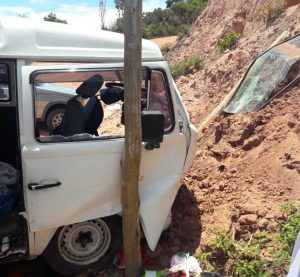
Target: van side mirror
152, 129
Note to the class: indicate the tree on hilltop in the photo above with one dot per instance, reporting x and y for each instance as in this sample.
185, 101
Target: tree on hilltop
52, 18
169, 3
120, 6
102, 11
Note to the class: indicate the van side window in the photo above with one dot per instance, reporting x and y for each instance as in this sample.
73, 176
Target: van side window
79, 105
88, 104
158, 98
4, 83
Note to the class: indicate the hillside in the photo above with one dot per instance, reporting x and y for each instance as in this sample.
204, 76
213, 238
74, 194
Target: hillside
248, 164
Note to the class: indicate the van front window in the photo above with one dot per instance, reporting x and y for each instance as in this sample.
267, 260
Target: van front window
159, 100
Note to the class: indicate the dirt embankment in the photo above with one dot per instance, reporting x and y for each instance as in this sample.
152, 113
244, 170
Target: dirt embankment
247, 164
165, 41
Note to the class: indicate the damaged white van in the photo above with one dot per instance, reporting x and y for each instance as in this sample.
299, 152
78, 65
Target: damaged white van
62, 139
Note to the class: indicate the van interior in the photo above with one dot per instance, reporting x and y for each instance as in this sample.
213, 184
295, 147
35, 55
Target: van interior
13, 231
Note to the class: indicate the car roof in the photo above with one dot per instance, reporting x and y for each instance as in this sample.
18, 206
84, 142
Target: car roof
49, 41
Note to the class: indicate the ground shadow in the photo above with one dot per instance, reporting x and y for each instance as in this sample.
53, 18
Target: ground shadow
183, 235
33, 268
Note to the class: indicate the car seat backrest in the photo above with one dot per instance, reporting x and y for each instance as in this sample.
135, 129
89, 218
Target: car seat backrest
93, 115
74, 120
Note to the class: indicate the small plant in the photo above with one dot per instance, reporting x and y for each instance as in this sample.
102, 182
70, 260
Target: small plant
166, 47
205, 260
228, 40
183, 30
269, 12
223, 244
191, 64
242, 257
285, 239
238, 257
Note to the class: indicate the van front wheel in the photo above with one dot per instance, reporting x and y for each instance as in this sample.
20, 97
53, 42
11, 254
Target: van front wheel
83, 246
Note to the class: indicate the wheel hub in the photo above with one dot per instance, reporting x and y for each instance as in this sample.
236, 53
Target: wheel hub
84, 238
56, 120
84, 243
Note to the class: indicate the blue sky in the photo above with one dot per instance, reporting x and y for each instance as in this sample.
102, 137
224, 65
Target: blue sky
84, 12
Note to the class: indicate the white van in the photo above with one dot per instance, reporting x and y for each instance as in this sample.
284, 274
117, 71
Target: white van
66, 203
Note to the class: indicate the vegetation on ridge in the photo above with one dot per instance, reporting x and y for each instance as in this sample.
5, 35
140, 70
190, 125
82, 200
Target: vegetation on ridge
176, 19
191, 64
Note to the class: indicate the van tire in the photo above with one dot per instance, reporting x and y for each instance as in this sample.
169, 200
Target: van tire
84, 246
54, 118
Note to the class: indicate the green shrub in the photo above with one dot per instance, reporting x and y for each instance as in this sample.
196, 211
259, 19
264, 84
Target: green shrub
228, 40
289, 226
269, 12
191, 64
242, 257
183, 30
166, 47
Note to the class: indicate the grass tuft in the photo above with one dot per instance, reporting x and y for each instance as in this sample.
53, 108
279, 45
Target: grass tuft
229, 256
228, 40
190, 65
269, 12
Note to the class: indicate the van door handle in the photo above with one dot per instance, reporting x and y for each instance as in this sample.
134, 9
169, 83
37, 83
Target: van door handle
37, 186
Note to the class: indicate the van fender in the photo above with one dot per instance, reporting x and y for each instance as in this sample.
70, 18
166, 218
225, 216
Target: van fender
42, 239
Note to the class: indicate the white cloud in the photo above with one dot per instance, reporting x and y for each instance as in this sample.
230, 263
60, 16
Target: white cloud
38, 1
77, 15
16, 10
83, 15
110, 16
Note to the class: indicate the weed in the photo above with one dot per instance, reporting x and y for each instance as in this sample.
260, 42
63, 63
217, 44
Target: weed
223, 244
205, 260
250, 268
191, 64
285, 239
228, 40
239, 257
242, 257
166, 47
269, 12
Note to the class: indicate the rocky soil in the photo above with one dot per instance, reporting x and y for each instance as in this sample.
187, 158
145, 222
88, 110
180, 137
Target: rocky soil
247, 164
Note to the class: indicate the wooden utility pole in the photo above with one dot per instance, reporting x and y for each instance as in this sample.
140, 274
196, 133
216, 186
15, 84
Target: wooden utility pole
133, 137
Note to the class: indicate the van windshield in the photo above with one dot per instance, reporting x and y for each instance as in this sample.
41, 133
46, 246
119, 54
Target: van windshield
270, 74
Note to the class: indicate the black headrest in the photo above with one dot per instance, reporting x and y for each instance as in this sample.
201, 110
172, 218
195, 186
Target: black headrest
112, 95
90, 87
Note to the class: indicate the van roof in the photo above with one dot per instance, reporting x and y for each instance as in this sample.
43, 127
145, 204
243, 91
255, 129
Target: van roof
48, 41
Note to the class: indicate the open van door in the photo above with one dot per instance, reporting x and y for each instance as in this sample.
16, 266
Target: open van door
78, 178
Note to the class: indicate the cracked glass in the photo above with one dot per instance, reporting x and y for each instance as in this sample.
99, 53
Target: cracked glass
270, 74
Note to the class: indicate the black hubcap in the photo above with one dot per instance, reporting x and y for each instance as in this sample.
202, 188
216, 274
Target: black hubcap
84, 238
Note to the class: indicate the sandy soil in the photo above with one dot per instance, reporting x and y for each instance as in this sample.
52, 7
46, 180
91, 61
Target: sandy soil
163, 41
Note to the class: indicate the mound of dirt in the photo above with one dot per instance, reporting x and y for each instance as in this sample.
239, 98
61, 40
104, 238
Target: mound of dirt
247, 164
